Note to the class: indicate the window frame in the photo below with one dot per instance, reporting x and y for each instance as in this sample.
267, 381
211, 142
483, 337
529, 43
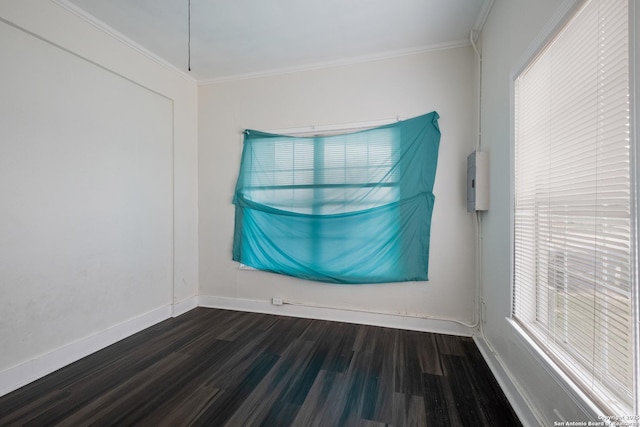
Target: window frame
561, 17
320, 178
319, 131
319, 171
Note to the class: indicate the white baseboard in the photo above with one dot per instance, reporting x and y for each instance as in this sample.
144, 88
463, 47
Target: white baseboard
518, 402
183, 306
339, 315
29, 371
24, 373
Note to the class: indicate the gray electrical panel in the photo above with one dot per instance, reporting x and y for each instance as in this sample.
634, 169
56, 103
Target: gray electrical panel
477, 181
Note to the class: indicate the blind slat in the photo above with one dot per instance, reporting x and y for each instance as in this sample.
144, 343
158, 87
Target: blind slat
572, 221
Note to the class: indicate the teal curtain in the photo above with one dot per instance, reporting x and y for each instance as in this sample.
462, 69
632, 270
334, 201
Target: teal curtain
350, 208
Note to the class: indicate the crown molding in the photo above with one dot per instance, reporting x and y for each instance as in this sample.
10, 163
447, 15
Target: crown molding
479, 23
335, 63
66, 4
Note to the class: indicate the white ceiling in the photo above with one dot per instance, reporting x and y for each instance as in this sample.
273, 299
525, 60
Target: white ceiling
234, 38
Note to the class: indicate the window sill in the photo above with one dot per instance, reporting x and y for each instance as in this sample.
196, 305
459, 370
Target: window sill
582, 401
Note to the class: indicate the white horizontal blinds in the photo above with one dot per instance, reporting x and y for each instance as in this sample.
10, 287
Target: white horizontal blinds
572, 263
347, 173
353, 162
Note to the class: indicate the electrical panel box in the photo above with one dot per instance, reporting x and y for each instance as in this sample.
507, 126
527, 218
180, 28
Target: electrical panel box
478, 181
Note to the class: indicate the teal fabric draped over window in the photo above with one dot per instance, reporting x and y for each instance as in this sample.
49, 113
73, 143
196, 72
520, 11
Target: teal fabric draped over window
349, 208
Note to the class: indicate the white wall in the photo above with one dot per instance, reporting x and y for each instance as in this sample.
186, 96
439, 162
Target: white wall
98, 177
512, 26
404, 86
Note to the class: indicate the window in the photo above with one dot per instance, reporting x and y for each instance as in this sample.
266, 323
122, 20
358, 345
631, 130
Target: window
321, 175
347, 172
349, 208
573, 227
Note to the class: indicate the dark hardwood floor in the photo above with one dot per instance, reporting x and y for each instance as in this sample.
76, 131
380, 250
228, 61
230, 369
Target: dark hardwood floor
216, 367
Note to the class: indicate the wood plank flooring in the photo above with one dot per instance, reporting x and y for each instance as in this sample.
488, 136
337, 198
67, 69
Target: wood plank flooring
213, 367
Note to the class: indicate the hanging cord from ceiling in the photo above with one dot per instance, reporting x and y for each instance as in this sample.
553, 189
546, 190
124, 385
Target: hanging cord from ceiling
189, 37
